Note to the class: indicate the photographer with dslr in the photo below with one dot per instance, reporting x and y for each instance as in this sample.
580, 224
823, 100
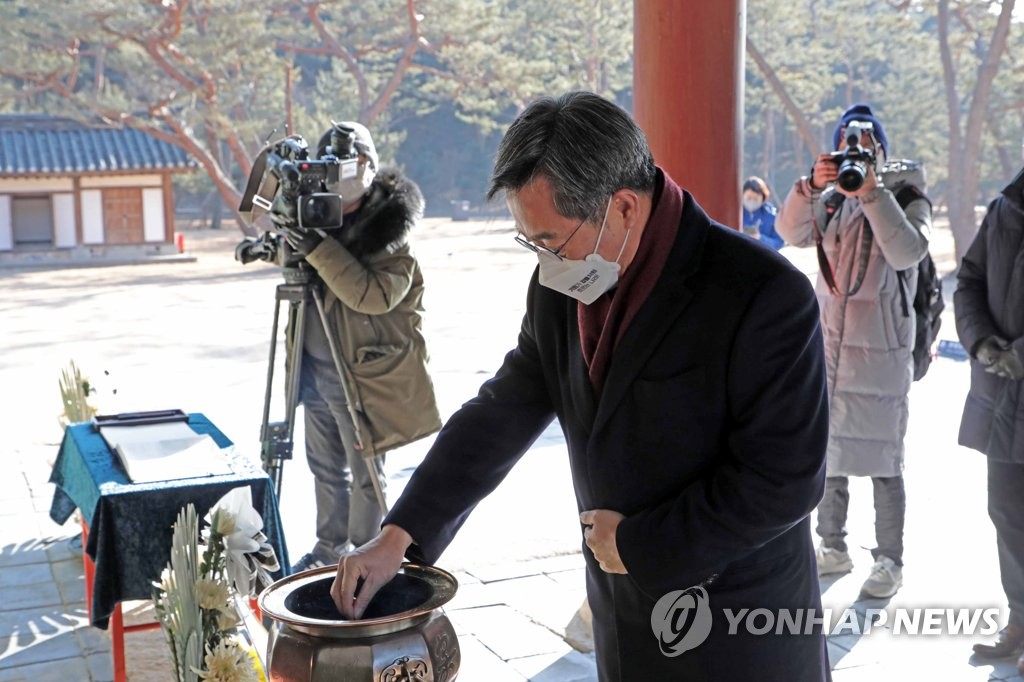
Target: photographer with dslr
372, 290
848, 209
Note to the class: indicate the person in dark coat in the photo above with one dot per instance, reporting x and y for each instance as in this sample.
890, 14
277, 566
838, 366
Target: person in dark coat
684, 363
989, 304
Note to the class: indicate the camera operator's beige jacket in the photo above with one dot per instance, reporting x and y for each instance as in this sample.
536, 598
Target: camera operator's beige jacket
868, 339
374, 308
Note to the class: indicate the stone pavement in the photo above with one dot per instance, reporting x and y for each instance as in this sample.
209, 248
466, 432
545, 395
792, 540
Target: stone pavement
195, 335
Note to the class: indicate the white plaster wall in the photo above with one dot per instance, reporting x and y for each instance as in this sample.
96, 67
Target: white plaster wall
36, 185
63, 220
121, 181
153, 215
6, 230
92, 216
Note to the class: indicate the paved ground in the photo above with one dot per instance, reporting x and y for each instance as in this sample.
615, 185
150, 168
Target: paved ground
195, 335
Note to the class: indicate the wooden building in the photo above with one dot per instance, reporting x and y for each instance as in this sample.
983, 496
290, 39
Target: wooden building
84, 190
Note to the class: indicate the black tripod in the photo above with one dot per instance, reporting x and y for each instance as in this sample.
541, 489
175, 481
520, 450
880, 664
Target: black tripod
276, 438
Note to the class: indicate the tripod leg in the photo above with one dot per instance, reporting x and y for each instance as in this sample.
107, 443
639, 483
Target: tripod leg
271, 464
378, 486
276, 438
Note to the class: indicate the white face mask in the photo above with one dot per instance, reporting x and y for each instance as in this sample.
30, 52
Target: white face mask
585, 280
354, 179
752, 205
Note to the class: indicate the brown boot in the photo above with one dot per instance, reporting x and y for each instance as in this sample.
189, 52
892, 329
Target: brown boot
1009, 644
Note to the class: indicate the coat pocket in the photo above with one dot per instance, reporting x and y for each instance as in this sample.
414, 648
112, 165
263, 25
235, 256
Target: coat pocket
396, 395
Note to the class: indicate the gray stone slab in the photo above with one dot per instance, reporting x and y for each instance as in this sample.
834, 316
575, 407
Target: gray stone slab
64, 670
101, 667
72, 591
22, 552
464, 578
480, 663
26, 574
540, 599
574, 579
67, 569
63, 547
507, 633
19, 527
520, 569
20, 651
31, 624
472, 596
92, 640
14, 487
489, 573
836, 654
567, 666
29, 596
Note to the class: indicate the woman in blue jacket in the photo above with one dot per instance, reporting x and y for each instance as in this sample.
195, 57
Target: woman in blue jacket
759, 213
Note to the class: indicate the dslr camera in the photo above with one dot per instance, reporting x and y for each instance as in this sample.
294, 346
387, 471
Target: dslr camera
294, 191
854, 160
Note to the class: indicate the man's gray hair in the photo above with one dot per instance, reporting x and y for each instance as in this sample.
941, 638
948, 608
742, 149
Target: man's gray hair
586, 146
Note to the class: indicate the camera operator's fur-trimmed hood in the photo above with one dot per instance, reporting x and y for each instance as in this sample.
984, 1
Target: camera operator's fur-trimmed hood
390, 208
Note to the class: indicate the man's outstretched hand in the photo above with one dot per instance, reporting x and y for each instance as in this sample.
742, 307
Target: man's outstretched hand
367, 569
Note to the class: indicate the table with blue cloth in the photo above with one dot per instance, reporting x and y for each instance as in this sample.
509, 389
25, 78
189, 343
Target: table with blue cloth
129, 525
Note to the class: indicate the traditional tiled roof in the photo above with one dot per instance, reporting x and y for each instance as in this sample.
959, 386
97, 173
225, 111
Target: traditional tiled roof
36, 144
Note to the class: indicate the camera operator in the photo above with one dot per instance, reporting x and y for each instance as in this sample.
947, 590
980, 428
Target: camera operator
848, 210
372, 290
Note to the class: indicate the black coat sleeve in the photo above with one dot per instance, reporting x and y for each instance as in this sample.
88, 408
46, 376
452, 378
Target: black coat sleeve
770, 471
475, 450
970, 301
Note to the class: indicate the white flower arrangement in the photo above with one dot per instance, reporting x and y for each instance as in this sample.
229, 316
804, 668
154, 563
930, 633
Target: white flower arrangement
197, 598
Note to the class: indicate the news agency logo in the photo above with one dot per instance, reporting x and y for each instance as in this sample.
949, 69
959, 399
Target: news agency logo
681, 620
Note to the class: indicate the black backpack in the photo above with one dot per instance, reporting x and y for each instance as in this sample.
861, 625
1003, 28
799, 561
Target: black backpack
928, 302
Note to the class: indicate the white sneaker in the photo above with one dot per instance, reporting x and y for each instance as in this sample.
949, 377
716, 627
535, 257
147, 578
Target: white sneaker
885, 579
832, 560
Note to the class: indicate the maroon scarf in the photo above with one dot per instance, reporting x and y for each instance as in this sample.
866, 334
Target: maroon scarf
603, 322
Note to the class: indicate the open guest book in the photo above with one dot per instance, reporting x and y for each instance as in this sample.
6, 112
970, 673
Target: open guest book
166, 451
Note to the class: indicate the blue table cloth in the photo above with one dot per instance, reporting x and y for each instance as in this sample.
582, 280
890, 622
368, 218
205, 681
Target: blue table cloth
130, 523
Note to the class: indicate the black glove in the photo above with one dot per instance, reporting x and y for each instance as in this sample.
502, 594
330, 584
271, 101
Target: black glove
303, 240
247, 250
989, 349
1007, 365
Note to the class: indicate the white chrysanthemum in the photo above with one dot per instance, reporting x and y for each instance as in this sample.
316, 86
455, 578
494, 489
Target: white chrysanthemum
240, 528
166, 583
227, 619
225, 522
212, 594
227, 662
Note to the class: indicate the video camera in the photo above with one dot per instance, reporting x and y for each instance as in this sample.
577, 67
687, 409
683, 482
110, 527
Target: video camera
853, 161
295, 190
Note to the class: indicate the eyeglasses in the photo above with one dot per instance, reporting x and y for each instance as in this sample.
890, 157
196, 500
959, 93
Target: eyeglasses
537, 248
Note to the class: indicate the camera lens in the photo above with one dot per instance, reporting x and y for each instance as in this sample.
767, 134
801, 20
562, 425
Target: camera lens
320, 210
851, 174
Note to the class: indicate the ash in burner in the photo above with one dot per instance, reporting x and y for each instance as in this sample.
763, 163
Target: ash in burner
403, 593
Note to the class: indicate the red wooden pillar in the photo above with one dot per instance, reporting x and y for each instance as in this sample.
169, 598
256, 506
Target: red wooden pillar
688, 96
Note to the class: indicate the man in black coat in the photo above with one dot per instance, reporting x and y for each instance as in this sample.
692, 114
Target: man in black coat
684, 364
989, 303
